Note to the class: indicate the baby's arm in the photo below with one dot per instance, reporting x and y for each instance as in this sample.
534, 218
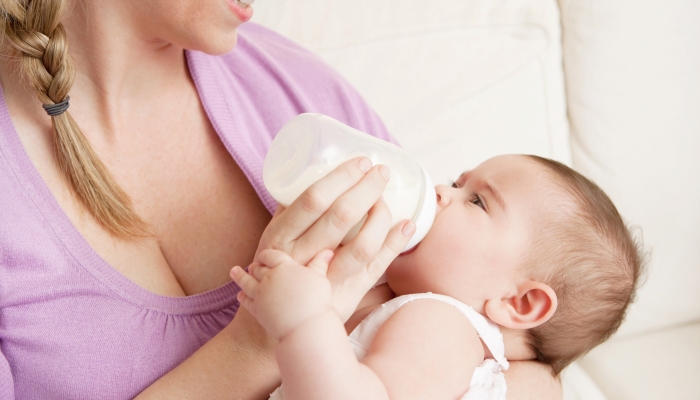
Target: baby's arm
317, 362
427, 349
294, 305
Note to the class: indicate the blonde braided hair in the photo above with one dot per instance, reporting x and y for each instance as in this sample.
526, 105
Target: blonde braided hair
34, 31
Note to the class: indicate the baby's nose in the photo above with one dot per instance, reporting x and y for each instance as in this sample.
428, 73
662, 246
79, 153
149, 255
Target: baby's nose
442, 194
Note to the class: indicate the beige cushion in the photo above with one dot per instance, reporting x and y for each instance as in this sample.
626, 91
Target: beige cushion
633, 91
655, 365
456, 81
633, 86
578, 385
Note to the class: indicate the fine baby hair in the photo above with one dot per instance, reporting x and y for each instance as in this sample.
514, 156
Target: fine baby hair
588, 255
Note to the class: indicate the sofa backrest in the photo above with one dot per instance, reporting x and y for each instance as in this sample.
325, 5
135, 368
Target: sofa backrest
456, 82
460, 81
633, 93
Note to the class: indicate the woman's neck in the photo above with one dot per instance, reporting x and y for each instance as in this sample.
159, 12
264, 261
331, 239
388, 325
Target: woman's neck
121, 67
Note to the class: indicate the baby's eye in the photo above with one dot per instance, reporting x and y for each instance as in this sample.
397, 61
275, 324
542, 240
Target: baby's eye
478, 201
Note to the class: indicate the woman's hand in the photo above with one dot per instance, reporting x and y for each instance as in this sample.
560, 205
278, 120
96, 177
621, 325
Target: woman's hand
321, 217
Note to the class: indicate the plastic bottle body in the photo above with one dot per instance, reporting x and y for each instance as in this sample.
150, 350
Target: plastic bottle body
311, 145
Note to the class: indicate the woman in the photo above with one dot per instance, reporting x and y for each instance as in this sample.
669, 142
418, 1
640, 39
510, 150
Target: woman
115, 248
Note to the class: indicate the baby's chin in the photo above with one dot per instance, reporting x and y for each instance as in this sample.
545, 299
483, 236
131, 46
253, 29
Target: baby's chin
399, 275
401, 259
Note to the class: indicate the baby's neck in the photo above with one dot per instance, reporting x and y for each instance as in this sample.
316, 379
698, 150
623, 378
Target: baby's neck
516, 345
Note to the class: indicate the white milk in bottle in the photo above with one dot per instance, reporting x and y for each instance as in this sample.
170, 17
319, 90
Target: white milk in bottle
311, 145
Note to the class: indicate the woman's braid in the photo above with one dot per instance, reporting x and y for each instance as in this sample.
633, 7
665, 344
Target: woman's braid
34, 31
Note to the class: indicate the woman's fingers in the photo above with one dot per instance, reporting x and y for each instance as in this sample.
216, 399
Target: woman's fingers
348, 295
278, 211
287, 226
345, 213
364, 247
394, 244
305, 212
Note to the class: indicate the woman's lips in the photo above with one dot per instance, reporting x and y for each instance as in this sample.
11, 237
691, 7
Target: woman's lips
242, 11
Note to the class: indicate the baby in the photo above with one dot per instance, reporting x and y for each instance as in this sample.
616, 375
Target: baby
526, 260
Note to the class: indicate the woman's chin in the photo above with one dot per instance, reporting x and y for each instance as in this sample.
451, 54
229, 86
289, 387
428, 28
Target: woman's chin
214, 42
223, 45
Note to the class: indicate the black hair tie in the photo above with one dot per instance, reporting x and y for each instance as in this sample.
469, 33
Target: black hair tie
58, 108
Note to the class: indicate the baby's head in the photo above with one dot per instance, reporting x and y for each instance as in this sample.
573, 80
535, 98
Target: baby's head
588, 256
536, 247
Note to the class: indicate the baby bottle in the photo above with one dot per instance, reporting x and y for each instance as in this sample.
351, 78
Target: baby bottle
311, 145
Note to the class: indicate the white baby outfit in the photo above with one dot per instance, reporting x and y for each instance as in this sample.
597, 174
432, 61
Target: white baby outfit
487, 383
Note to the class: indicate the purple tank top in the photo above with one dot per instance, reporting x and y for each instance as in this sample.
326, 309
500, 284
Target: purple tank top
73, 327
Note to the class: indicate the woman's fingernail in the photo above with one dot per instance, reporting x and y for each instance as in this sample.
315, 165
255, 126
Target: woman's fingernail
408, 229
365, 164
385, 171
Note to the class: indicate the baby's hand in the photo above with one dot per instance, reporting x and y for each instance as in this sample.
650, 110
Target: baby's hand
282, 294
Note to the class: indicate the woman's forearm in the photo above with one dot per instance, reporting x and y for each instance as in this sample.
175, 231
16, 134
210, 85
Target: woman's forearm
237, 363
532, 380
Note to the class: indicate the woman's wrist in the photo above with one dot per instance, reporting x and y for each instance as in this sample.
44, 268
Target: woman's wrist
237, 363
246, 334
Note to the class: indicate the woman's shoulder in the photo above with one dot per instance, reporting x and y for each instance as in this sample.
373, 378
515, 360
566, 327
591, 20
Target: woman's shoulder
274, 76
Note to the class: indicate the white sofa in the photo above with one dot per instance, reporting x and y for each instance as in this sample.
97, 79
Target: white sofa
610, 87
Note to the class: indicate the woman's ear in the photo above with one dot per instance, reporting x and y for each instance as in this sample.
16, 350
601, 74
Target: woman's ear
533, 305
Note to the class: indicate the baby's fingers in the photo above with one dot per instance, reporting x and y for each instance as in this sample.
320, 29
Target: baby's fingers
320, 262
248, 284
273, 258
259, 272
245, 302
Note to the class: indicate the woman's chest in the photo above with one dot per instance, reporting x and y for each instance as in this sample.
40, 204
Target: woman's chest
203, 213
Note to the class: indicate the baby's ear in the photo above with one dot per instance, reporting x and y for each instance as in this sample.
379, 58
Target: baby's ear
533, 305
